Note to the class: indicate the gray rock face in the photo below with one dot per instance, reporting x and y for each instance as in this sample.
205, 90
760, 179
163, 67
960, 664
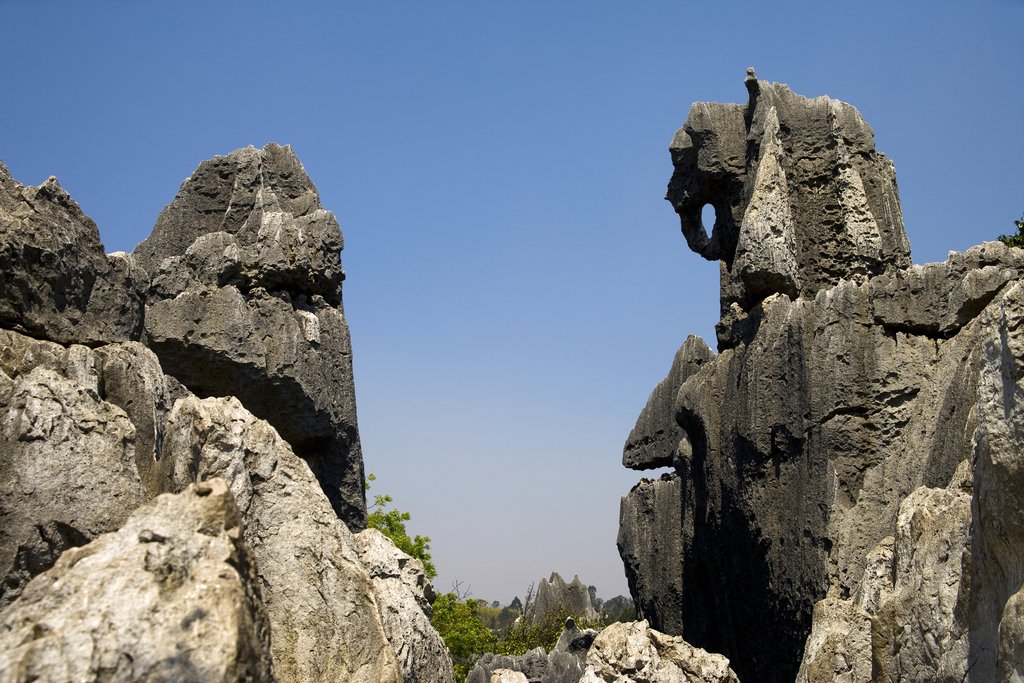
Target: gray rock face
246, 301
637, 653
997, 575
908, 620
67, 472
533, 665
801, 197
55, 281
399, 583
555, 591
319, 599
172, 596
831, 402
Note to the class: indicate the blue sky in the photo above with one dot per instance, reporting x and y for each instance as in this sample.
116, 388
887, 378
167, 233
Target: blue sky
516, 283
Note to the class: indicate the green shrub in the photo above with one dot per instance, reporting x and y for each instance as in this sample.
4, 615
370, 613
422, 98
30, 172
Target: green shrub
525, 635
1015, 240
462, 631
392, 525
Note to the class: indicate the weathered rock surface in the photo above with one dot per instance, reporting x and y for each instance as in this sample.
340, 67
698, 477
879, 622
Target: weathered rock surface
846, 381
320, 600
246, 302
172, 596
401, 588
801, 197
67, 472
908, 618
554, 591
997, 574
635, 653
55, 281
657, 440
508, 676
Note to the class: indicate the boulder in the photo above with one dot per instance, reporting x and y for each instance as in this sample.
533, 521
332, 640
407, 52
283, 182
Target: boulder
320, 601
67, 470
246, 302
55, 281
172, 596
533, 665
508, 676
636, 653
127, 375
401, 588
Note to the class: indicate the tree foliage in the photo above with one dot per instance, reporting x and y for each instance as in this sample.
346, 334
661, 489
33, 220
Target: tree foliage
391, 523
462, 631
1015, 240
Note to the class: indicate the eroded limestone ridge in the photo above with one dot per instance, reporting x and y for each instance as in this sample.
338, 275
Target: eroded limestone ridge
827, 463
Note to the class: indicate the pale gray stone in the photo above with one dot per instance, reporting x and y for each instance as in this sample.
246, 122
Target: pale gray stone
67, 473
555, 592
172, 596
400, 586
636, 653
319, 598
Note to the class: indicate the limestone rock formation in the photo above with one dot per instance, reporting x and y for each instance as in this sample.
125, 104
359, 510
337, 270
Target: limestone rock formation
801, 196
320, 600
89, 432
554, 591
172, 596
401, 588
636, 653
55, 281
246, 302
848, 383
508, 676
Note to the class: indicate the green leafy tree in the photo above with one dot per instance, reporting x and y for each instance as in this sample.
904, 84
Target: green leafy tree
391, 523
462, 631
1015, 240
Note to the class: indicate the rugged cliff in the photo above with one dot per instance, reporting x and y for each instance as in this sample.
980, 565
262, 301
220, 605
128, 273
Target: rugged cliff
852, 393
134, 378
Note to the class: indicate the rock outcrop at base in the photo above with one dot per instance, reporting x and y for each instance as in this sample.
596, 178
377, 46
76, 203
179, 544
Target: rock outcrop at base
848, 389
172, 596
636, 653
246, 302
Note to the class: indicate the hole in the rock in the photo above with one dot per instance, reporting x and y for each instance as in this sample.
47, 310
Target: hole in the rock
707, 219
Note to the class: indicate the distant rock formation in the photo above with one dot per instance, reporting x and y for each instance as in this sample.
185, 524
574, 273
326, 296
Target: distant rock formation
93, 424
554, 592
849, 391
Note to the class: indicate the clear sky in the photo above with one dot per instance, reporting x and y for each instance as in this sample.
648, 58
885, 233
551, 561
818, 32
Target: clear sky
516, 284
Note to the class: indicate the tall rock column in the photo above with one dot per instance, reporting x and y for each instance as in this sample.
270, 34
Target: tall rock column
246, 302
846, 380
